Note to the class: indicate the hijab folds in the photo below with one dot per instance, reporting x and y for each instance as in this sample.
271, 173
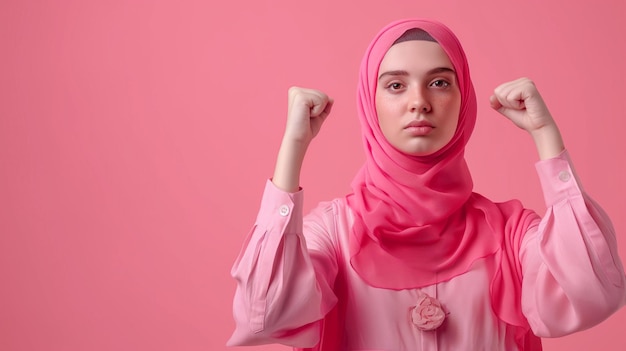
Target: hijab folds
417, 221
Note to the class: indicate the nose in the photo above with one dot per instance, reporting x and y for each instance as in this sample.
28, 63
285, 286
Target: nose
419, 102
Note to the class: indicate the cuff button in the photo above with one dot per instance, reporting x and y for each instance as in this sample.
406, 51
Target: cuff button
283, 210
564, 176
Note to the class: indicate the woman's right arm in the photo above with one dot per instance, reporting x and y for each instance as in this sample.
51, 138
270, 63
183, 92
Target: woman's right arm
284, 283
307, 110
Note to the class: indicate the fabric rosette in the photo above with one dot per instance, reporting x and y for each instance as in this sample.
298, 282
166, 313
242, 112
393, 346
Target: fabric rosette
427, 314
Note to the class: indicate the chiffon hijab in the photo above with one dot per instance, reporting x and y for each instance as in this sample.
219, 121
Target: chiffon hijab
417, 221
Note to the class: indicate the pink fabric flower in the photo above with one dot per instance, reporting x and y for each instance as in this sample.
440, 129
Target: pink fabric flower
427, 314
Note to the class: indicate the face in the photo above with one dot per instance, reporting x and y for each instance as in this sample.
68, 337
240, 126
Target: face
417, 97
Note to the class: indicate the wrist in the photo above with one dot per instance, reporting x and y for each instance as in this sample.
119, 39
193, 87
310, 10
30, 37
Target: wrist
289, 164
548, 141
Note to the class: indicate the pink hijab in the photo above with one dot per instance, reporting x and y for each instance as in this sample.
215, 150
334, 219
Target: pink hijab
417, 221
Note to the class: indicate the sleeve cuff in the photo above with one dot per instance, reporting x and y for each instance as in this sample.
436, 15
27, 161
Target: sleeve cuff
280, 208
558, 178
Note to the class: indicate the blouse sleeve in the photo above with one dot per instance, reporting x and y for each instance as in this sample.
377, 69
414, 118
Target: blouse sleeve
573, 276
284, 283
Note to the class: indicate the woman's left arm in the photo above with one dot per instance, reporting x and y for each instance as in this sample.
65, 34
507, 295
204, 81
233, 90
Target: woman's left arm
572, 275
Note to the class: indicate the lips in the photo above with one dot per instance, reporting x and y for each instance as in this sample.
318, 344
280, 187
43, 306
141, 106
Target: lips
419, 128
417, 124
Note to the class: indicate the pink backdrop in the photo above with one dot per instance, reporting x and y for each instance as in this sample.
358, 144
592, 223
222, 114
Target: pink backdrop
136, 136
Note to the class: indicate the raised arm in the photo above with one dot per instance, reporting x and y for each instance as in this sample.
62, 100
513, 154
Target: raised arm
284, 281
573, 277
308, 109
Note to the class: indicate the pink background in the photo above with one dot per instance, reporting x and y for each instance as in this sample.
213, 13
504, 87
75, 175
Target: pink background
136, 136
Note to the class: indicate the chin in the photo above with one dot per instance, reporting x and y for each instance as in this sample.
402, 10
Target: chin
419, 153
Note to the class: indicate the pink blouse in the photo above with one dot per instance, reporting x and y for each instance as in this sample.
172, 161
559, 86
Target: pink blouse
292, 271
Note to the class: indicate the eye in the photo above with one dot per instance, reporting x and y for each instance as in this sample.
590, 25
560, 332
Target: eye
440, 83
395, 86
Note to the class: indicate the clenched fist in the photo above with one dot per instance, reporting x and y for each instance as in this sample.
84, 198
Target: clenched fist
307, 110
520, 101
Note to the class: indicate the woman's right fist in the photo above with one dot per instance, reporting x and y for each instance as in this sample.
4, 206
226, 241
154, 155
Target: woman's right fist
307, 110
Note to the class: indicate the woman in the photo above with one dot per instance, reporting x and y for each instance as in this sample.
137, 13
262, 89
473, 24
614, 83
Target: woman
412, 259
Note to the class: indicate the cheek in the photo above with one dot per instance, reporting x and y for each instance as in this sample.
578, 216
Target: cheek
385, 110
452, 107
390, 105
454, 120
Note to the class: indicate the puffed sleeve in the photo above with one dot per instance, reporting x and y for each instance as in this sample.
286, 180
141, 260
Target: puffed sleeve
572, 275
284, 282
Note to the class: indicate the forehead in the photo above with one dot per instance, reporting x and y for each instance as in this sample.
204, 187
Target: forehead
417, 54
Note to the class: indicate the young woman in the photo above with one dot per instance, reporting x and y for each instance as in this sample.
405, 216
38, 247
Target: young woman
412, 259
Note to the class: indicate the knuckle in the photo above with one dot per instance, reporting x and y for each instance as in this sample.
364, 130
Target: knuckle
296, 91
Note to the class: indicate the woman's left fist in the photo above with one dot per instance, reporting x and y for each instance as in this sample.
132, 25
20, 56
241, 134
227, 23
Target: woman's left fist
520, 101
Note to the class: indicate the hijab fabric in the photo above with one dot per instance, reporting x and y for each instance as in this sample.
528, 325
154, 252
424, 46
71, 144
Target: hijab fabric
417, 221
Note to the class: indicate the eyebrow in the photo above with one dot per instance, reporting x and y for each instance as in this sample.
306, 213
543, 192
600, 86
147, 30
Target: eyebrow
405, 73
